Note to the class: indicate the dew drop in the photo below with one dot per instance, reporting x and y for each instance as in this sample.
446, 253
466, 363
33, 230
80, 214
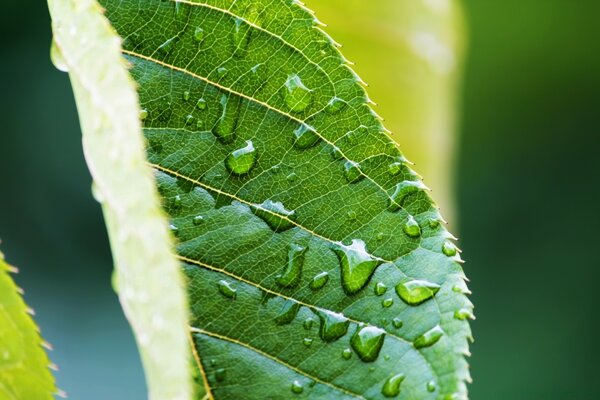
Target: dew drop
380, 288
333, 325
143, 114
308, 323
335, 105
297, 387
189, 119
346, 354
319, 280
431, 386
391, 387
357, 265
198, 220
297, 96
177, 202
307, 342
449, 249
395, 168
227, 122
227, 289
463, 314
241, 35
367, 342
429, 338
380, 236
288, 312
416, 291
434, 223
336, 153
167, 46
221, 72
386, 303
241, 161
198, 34
274, 214
220, 375
291, 177
402, 190
305, 137
352, 171
411, 227
201, 104
174, 229
293, 270
352, 215
397, 322
186, 95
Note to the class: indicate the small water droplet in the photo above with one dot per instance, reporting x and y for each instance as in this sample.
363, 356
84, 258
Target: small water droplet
449, 249
308, 323
297, 387
198, 220
333, 325
297, 96
201, 104
357, 265
416, 291
397, 322
352, 215
367, 342
241, 161
335, 105
227, 122
287, 313
143, 114
319, 280
380, 288
387, 357
463, 314
391, 387
347, 354
403, 189
167, 46
380, 236
220, 374
429, 338
395, 168
198, 34
305, 137
431, 386
307, 342
221, 72
186, 95
386, 303
227, 289
241, 35
411, 227
352, 171
291, 177
174, 229
336, 153
434, 223
177, 202
272, 212
293, 270
189, 119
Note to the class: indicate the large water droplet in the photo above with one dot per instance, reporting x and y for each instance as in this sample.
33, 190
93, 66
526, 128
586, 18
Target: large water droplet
198, 34
335, 105
297, 387
357, 265
352, 171
449, 249
227, 289
201, 104
391, 387
333, 325
242, 160
416, 291
429, 338
272, 212
402, 190
227, 122
411, 227
297, 96
293, 270
367, 342
288, 312
463, 314
305, 137
319, 280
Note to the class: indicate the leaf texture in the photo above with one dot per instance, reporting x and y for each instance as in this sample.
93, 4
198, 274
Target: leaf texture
318, 266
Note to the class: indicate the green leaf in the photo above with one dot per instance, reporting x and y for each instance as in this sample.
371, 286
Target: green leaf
147, 275
295, 212
24, 372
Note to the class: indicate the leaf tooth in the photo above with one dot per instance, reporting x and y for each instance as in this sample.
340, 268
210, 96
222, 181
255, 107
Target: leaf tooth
46, 345
61, 393
53, 367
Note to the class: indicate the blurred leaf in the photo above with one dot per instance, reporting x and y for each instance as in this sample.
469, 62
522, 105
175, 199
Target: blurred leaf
24, 372
148, 277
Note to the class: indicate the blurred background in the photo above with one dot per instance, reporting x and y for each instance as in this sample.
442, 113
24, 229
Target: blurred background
512, 128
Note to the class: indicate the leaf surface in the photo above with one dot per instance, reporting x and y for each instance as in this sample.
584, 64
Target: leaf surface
318, 265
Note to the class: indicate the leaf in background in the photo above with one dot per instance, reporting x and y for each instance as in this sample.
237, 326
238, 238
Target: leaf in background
148, 276
24, 372
318, 266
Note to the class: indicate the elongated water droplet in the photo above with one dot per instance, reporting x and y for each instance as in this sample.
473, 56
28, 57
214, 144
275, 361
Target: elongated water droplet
416, 291
429, 338
367, 342
319, 280
227, 122
167, 46
201, 104
387, 302
57, 58
335, 105
227, 289
403, 189
380, 288
186, 95
333, 326
297, 387
431, 386
293, 270
391, 387
242, 160
352, 171
463, 314
272, 212
449, 249
411, 227
291, 177
220, 375
241, 35
305, 137
308, 323
336, 153
288, 312
357, 265
307, 342
434, 223
297, 96
198, 34
397, 322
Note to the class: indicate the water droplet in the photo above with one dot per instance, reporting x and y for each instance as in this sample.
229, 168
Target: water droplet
431, 386
186, 95
352, 137
174, 229
293, 270
335, 105
429, 338
143, 114
380, 236
352, 215
198, 34
308, 323
177, 202
305, 137
387, 357
272, 212
336, 153
241, 35
386, 303
201, 104
463, 314
57, 58
288, 312
411, 227
380, 288
347, 354
227, 122
167, 46
319, 280
397, 322
297, 96
242, 160
352, 171
220, 375
402, 190
391, 387
198, 220
297, 387
189, 119
415, 291
367, 342
449, 249
291, 177
227, 289
307, 342
200, 124
333, 325
357, 265
395, 168
434, 223
221, 72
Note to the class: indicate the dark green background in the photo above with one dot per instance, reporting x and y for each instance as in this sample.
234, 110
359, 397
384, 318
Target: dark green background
528, 178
